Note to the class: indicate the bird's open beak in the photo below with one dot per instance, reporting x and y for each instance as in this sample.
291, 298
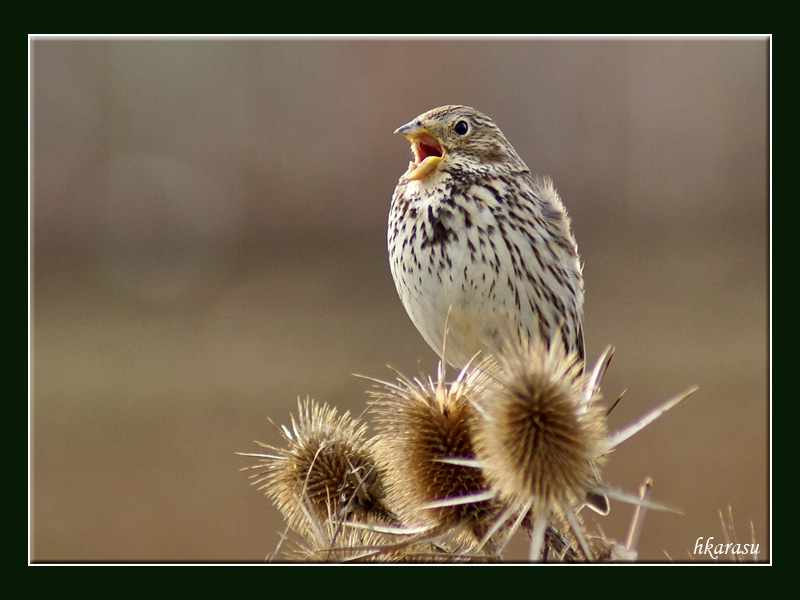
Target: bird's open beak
428, 152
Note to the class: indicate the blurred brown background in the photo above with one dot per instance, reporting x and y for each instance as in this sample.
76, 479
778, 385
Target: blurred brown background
208, 243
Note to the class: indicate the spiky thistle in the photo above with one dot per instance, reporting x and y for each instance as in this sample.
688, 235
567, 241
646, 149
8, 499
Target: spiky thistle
542, 434
326, 472
425, 431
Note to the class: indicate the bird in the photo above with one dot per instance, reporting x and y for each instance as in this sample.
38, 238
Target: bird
481, 250
478, 246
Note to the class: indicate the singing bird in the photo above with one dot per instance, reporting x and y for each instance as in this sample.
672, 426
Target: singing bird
481, 248
479, 245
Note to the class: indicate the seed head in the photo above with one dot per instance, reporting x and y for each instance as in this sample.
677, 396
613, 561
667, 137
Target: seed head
540, 435
326, 471
425, 443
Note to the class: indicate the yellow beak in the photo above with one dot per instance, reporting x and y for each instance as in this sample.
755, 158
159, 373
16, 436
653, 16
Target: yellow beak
428, 152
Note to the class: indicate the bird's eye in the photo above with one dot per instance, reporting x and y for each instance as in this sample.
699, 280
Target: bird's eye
462, 127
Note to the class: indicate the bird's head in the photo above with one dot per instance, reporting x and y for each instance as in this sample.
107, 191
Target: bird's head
453, 138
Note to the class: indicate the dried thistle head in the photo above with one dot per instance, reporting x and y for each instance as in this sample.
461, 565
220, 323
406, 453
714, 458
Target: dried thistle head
540, 436
425, 444
326, 471
541, 433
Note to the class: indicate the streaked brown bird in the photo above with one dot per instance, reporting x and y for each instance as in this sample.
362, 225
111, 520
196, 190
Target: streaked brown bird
481, 247
478, 244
